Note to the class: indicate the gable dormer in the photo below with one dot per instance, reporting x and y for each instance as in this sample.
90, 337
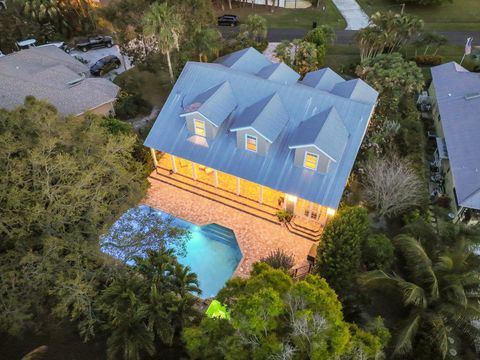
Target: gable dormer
207, 111
260, 124
319, 141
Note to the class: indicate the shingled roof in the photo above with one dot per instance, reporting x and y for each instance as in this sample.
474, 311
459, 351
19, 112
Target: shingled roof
253, 93
323, 79
48, 73
458, 97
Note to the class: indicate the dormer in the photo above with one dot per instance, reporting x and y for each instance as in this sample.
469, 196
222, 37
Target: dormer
260, 124
207, 111
279, 72
319, 141
357, 90
323, 79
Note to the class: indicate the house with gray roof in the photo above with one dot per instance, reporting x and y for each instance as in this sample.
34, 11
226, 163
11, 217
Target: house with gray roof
50, 74
456, 109
252, 131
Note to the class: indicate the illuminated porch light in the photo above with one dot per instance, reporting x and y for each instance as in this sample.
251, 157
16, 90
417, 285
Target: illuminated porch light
291, 198
330, 212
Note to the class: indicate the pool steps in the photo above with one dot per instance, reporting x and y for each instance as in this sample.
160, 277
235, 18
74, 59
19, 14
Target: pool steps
220, 234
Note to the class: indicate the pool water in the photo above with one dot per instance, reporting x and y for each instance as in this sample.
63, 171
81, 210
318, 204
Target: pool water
212, 252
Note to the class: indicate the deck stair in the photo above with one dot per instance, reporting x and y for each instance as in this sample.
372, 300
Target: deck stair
303, 232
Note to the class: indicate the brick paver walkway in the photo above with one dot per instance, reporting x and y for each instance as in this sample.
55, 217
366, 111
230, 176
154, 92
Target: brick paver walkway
256, 237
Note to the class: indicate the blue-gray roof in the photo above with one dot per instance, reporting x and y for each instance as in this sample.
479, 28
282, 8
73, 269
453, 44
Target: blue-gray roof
357, 90
458, 97
325, 131
276, 169
215, 103
267, 117
247, 60
279, 72
323, 79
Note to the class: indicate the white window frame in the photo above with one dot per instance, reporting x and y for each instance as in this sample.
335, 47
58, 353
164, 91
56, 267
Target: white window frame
246, 142
195, 127
305, 159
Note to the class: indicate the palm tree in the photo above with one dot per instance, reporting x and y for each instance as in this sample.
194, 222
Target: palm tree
127, 319
440, 293
165, 24
207, 42
254, 28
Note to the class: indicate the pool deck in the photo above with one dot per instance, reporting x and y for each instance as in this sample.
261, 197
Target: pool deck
255, 236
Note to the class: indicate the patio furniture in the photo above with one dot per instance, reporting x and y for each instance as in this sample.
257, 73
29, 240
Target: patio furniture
208, 170
183, 163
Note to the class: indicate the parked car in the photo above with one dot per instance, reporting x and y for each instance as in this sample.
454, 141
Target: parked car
228, 20
31, 43
104, 65
95, 42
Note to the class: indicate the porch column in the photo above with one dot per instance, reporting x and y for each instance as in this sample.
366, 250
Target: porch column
215, 178
260, 200
174, 165
238, 185
154, 157
310, 208
194, 171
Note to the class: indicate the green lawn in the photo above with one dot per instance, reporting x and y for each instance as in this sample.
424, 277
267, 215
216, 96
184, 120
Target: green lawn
460, 15
292, 18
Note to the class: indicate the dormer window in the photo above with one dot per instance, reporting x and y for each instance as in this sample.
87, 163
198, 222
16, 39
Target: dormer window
199, 127
250, 143
310, 161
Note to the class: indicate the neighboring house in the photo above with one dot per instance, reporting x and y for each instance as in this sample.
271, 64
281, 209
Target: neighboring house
291, 4
455, 94
250, 127
48, 73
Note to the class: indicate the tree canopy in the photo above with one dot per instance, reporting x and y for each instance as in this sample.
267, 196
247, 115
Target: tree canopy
275, 317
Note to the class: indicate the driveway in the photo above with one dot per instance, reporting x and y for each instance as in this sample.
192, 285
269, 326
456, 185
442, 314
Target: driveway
92, 56
352, 12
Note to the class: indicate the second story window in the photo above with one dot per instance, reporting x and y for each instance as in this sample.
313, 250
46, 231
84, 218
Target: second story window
311, 161
251, 143
199, 127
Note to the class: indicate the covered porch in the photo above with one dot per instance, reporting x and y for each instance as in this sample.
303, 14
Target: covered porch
308, 216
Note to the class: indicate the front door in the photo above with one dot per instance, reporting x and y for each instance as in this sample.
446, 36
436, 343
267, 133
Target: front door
290, 203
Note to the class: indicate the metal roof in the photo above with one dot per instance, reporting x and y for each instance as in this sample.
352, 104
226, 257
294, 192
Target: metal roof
275, 170
267, 117
325, 131
48, 73
323, 79
279, 72
356, 89
215, 104
459, 115
247, 60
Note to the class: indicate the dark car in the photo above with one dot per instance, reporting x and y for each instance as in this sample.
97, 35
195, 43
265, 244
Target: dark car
95, 42
228, 20
104, 65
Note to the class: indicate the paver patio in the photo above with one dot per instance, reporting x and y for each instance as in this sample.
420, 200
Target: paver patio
256, 237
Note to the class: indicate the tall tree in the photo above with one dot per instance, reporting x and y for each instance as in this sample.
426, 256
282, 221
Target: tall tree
254, 28
207, 43
339, 250
392, 186
165, 24
440, 295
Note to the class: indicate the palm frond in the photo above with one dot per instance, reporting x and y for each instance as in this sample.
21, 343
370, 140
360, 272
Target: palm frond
405, 337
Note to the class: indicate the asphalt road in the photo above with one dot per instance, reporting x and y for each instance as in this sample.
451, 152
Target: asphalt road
345, 37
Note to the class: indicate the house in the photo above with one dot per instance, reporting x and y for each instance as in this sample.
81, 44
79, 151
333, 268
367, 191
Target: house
251, 128
455, 95
48, 73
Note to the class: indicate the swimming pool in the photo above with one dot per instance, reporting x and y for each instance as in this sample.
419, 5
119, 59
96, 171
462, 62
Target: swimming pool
212, 251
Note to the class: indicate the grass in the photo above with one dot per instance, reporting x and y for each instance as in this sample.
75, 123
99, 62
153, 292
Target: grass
458, 15
291, 18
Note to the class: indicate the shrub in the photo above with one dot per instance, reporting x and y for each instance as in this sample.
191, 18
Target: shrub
339, 252
279, 259
431, 60
284, 216
444, 201
378, 252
